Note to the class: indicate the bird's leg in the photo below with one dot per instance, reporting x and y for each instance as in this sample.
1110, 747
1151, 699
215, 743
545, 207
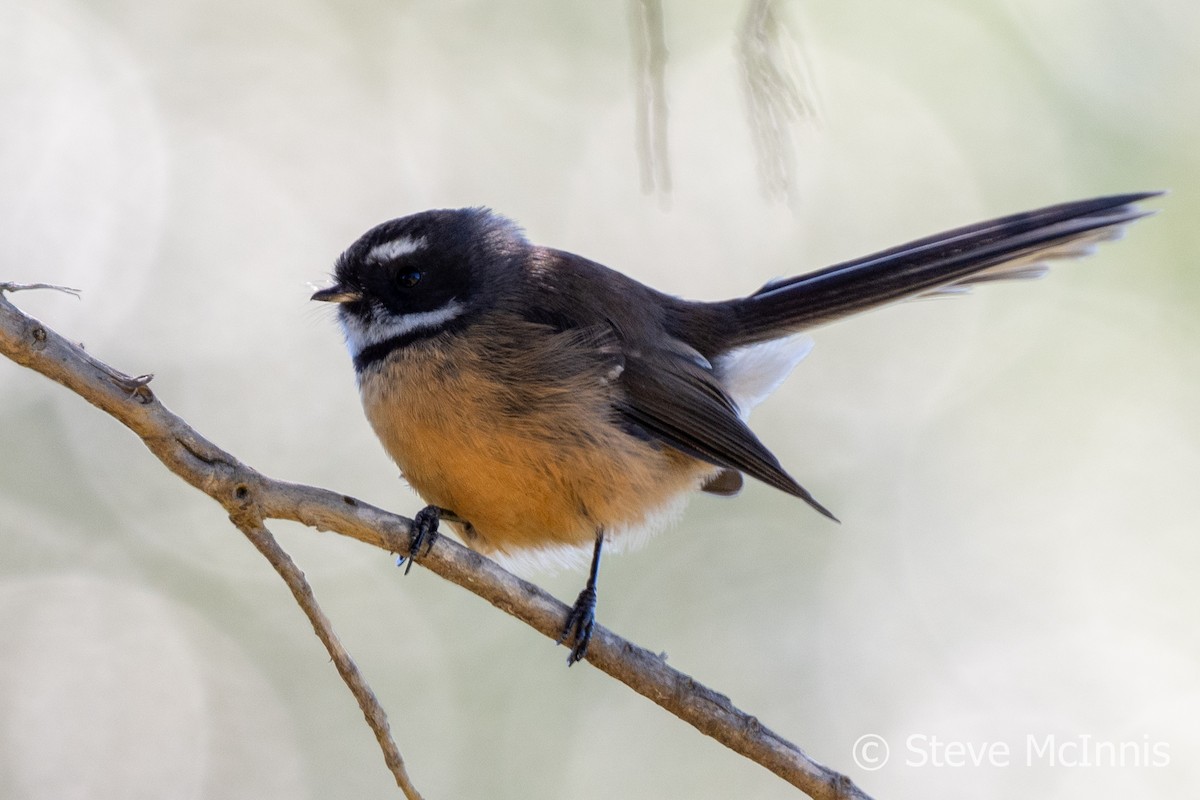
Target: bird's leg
582, 618
423, 531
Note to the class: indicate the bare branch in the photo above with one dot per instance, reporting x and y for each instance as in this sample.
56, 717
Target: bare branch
251, 497
251, 524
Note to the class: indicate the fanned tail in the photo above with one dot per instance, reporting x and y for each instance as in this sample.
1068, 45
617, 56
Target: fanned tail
1011, 247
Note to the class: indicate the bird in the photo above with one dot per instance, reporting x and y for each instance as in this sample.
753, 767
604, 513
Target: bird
539, 401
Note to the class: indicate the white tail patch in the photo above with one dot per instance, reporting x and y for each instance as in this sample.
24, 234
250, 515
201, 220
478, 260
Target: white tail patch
751, 373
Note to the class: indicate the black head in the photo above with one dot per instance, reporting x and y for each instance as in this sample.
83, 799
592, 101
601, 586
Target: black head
413, 277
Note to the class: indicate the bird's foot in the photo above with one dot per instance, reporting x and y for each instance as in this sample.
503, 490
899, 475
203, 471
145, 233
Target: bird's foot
580, 622
423, 532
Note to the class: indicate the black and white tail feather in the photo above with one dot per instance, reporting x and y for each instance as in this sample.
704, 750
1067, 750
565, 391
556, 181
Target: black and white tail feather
765, 334
1013, 247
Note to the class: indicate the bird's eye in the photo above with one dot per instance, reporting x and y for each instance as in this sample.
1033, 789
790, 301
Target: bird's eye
407, 280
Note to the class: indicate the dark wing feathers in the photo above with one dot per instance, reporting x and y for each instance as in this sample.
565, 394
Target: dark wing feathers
666, 391
679, 402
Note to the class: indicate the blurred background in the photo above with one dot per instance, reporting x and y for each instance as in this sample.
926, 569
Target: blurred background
1015, 471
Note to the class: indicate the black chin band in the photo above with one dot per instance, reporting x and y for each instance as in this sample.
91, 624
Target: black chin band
375, 353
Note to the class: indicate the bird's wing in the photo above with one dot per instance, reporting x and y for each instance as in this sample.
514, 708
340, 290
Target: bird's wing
675, 399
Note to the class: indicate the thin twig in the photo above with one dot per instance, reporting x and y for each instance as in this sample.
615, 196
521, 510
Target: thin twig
778, 93
650, 113
251, 497
24, 287
250, 524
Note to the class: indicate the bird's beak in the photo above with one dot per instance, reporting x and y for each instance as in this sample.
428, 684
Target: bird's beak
336, 294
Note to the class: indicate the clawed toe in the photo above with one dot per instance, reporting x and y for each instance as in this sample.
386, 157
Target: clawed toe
423, 533
580, 622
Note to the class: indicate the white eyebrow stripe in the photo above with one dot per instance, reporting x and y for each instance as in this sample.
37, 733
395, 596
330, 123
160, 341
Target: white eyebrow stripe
388, 251
363, 334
